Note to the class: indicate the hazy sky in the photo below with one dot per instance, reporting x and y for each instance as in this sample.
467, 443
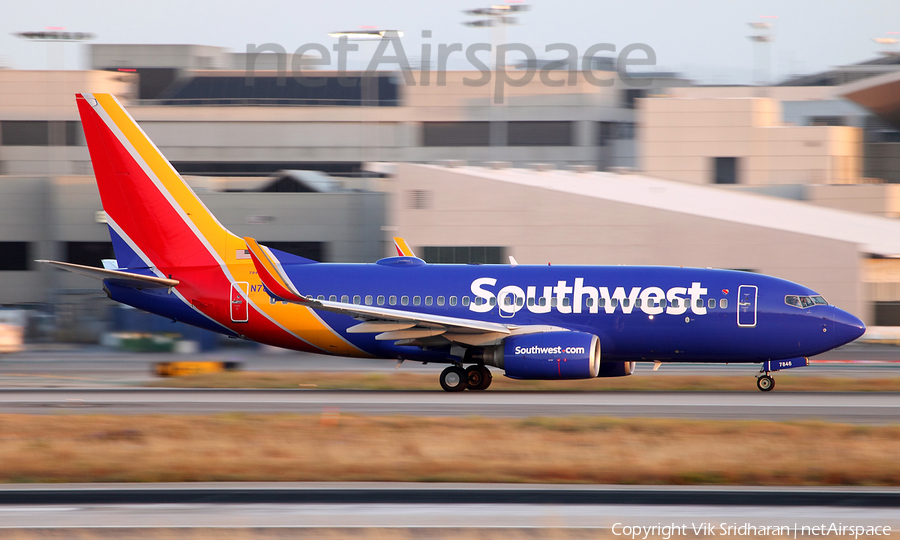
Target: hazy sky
705, 39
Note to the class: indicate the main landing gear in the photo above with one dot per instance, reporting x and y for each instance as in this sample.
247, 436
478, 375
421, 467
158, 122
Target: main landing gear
765, 382
457, 379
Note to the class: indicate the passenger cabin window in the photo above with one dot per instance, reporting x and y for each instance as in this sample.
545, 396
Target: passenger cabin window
637, 303
417, 300
345, 298
712, 303
332, 298
404, 300
601, 302
493, 301
380, 300
368, 299
566, 301
392, 300
614, 302
589, 302
699, 302
531, 301
520, 301
356, 299
723, 303
626, 302
553, 302
428, 300
452, 300
675, 302
465, 300
440, 300
320, 297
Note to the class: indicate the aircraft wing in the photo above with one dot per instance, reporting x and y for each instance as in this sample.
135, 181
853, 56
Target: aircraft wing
119, 277
390, 324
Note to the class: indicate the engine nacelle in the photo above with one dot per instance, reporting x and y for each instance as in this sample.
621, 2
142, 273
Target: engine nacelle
547, 356
616, 369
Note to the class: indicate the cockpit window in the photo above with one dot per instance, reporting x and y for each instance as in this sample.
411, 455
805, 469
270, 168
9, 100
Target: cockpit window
804, 301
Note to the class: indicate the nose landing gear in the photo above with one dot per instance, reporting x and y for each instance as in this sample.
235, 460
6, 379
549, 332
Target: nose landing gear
765, 382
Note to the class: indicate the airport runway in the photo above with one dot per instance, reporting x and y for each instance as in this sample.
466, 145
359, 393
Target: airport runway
56, 366
437, 505
864, 408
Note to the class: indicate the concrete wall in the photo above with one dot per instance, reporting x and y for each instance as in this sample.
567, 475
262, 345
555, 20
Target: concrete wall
540, 226
679, 139
50, 211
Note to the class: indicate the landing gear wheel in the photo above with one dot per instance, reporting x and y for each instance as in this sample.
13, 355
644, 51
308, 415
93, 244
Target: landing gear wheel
765, 383
479, 377
453, 379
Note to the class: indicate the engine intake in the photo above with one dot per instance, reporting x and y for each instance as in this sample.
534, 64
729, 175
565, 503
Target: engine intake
546, 356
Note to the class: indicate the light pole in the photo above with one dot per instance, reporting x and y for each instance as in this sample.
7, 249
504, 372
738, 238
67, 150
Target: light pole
55, 34
762, 38
496, 17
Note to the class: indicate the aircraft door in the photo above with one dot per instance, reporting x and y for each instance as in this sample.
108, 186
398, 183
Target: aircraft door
240, 305
747, 295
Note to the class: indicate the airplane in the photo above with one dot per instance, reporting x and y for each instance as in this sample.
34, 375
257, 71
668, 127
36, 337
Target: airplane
174, 259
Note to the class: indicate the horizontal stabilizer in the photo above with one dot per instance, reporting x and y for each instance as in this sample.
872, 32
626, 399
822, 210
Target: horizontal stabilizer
119, 277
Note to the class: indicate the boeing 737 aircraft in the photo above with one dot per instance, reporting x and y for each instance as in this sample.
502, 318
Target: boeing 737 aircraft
174, 259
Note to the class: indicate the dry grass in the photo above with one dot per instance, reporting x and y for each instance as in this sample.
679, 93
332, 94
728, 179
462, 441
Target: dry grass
240, 447
415, 381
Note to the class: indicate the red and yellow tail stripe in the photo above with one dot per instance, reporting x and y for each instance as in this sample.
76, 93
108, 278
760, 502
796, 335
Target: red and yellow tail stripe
403, 249
156, 213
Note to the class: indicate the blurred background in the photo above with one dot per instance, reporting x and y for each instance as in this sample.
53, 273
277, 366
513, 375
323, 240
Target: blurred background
763, 138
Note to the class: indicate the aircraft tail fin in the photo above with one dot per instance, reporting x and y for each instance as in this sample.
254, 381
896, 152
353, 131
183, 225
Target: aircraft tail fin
154, 217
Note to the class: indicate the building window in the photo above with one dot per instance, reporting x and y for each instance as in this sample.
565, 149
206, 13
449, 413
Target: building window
614, 131
14, 256
630, 95
887, 313
89, 253
464, 254
41, 133
456, 134
540, 133
418, 199
308, 250
725, 170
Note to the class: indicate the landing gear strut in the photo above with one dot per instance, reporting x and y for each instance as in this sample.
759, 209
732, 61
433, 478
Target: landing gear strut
765, 382
479, 377
454, 379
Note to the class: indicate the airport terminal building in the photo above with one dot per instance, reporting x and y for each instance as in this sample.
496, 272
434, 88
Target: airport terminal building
794, 181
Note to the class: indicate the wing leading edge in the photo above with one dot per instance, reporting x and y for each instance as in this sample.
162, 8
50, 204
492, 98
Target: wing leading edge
389, 324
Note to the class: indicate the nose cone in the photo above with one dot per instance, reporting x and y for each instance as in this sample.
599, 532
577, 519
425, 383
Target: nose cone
846, 327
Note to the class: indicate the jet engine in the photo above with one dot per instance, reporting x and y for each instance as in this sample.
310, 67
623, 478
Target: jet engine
546, 356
